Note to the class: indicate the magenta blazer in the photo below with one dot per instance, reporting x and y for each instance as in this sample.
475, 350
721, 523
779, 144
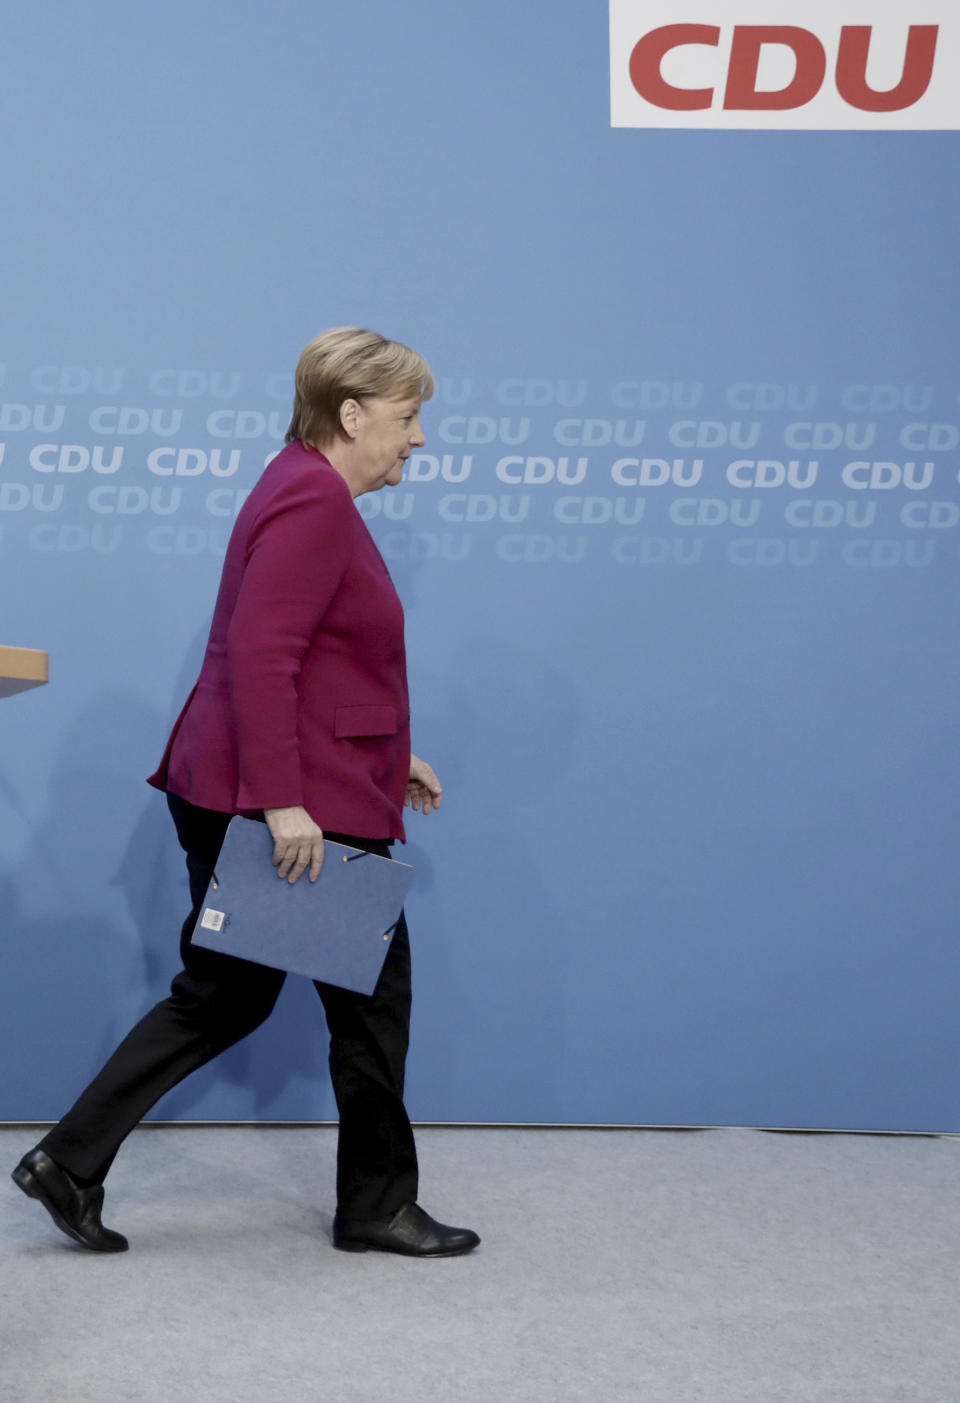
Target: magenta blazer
302, 696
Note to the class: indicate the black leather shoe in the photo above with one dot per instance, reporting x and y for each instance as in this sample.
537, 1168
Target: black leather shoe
75, 1210
410, 1231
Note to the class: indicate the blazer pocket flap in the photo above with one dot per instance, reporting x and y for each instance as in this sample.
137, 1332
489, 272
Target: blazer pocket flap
365, 721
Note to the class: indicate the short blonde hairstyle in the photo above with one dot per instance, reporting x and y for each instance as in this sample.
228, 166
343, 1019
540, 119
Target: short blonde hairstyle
351, 363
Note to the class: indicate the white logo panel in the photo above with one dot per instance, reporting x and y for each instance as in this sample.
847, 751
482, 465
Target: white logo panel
874, 65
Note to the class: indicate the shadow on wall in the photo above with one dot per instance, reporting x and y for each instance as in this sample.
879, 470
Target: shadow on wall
76, 960
107, 945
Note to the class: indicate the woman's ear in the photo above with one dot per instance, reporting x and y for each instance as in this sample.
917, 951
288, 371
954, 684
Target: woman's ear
350, 417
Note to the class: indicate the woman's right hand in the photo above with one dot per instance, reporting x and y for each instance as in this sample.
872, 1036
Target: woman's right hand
297, 842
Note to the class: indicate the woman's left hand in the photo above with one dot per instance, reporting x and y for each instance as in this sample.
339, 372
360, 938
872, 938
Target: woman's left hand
424, 791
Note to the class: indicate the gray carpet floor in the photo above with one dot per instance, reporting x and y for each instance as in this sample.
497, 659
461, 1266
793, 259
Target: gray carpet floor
718, 1266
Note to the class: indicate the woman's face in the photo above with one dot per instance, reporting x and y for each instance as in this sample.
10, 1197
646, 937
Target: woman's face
387, 431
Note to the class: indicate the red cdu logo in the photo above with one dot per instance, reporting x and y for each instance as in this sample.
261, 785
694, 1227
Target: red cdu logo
785, 64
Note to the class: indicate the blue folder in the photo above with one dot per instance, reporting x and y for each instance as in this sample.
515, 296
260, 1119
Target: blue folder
337, 929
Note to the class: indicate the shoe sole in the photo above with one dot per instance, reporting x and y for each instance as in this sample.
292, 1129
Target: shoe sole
32, 1187
403, 1252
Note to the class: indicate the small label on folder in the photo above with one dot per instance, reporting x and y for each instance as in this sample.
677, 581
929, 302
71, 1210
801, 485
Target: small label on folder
212, 920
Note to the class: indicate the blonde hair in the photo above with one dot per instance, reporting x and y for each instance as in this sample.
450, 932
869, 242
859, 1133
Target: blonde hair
350, 363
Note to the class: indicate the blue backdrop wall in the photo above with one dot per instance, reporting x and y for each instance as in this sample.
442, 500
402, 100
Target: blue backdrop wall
679, 557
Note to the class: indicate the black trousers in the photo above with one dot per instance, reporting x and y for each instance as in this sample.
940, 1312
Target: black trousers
218, 999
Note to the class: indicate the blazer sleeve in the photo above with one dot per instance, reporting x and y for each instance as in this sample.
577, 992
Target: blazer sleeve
298, 552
